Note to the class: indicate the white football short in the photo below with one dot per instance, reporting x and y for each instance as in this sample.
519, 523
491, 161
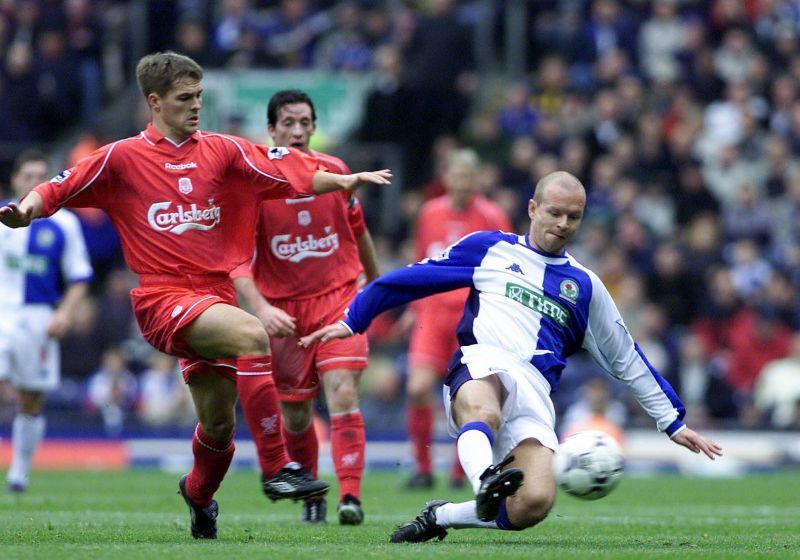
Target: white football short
29, 359
527, 409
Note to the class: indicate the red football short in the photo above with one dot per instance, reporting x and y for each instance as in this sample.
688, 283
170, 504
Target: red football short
163, 310
433, 339
296, 370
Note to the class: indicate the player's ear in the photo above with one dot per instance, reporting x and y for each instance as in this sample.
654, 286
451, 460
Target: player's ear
154, 101
531, 208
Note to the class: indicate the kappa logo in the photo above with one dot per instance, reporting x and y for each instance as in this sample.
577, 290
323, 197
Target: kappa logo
277, 152
514, 267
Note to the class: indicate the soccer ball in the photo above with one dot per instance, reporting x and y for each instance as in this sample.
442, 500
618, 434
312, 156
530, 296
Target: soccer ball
588, 465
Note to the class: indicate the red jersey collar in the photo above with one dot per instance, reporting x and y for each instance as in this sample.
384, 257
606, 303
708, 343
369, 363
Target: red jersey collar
155, 136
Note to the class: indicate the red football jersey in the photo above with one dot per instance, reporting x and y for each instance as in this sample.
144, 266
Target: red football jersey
187, 208
440, 225
307, 246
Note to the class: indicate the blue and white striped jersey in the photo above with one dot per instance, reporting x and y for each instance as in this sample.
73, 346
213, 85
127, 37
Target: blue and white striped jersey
37, 261
541, 308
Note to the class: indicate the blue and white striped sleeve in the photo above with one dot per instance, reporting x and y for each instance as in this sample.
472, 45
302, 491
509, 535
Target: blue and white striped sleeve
608, 341
451, 270
75, 264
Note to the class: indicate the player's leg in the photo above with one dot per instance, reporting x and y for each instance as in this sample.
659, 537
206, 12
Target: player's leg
214, 398
226, 332
348, 440
534, 499
302, 443
35, 370
420, 414
27, 432
299, 433
476, 410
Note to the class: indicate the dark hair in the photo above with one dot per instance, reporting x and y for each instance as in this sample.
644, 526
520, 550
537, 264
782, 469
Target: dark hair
25, 157
158, 72
287, 97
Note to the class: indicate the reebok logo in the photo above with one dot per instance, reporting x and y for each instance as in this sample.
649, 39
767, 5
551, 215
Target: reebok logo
181, 166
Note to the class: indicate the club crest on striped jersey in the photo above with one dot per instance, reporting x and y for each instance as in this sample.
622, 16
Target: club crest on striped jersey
185, 185
569, 290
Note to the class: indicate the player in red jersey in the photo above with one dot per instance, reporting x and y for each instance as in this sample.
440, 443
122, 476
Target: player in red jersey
310, 256
442, 221
183, 202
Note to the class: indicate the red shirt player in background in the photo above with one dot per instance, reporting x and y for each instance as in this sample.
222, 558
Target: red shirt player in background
310, 256
183, 202
442, 221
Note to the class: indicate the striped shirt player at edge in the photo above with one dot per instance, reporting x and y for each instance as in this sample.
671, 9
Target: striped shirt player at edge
44, 274
184, 203
311, 255
530, 307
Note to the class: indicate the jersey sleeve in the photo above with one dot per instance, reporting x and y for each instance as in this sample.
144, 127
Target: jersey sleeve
454, 268
608, 341
274, 172
355, 215
81, 186
75, 263
242, 271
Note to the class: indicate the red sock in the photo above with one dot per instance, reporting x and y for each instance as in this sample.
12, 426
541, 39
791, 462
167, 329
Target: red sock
211, 461
303, 448
260, 407
419, 421
348, 441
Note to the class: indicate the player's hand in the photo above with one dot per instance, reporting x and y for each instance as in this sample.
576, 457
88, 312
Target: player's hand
14, 217
276, 321
59, 324
337, 330
355, 180
696, 443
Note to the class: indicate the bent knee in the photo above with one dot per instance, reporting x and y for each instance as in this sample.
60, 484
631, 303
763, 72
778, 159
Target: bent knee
218, 429
296, 416
527, 511
252, 339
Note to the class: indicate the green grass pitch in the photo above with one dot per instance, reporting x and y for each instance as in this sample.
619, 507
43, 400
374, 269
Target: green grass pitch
137, 514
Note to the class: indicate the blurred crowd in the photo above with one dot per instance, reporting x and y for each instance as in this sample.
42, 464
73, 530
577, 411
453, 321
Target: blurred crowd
681, 117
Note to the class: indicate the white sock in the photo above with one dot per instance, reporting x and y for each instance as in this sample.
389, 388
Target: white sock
26, 435
475, 454
461, 516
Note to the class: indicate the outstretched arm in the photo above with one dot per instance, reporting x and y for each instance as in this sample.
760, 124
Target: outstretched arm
325, 182
22, 214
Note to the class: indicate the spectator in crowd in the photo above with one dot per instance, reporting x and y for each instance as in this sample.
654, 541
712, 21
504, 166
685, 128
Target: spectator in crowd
163, 398
111, 391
